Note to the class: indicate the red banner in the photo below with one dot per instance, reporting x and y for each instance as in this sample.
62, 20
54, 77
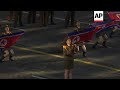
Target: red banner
88, 34
114, 15
83, 37
7, 41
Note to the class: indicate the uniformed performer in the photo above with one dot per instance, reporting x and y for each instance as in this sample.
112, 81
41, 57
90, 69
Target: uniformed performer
105, 39
68, 51
113, 31
7, 30
77, 25
7, 51
81, 45
101, 38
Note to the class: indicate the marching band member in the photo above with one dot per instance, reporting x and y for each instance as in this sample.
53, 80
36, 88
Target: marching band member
7, 51
7, 30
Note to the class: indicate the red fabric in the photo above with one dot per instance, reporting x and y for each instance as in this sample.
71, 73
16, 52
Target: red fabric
114, 15
9, 41
82, 37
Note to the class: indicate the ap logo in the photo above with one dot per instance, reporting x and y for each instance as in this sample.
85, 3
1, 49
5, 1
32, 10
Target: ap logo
98, 16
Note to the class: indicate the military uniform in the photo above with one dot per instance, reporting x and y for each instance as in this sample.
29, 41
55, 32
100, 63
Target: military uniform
83, 47
77, 26
101, 38
81, 44
6, 51
68, 52
113, 31
105, 38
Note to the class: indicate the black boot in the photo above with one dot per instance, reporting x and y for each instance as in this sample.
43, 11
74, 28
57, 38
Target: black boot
111, 34
10, 58
1, 59
104, 44
94, 46
84, 54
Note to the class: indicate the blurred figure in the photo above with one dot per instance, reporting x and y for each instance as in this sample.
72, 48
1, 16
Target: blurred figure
69, 16
101, 38
7, 30
11, 16
68, 51
51, 13
6, 51
82, 47
31, 17
44, 16
18, 18
113, 31
77, 26
41, 18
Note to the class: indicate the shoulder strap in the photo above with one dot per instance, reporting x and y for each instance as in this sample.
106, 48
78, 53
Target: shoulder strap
65, 47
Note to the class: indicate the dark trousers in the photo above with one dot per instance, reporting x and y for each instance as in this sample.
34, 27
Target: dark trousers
103, 44
18, 18
34, 16
31, 17
44, 16
111, 34
70, 16
67, 20
51, 16
11, 14
2, 54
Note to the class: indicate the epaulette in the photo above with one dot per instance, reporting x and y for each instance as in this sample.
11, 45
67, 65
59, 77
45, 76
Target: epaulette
64, 46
